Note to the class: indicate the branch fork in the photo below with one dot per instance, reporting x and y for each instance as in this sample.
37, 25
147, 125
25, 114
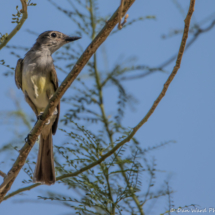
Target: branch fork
120, 25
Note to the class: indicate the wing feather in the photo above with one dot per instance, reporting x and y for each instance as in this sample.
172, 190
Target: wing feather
18, 73
54, 80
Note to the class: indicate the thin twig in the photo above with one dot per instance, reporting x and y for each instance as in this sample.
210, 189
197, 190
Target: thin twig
2, 174
171, 59
169, 198
125, 19
195, 37
35, 132
120, 25
120, 14
18, 26
175, 69
93, 25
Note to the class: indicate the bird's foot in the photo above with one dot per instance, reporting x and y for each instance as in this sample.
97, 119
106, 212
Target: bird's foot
39, 117
27, 139
47, 122
55, 112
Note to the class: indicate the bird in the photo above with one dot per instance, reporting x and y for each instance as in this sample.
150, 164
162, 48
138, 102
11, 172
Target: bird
36, 76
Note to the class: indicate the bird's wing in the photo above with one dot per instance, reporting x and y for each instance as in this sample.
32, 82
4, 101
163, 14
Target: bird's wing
54, 80
31, 104
18, 73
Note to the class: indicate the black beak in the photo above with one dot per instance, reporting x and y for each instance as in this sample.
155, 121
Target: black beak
70, 39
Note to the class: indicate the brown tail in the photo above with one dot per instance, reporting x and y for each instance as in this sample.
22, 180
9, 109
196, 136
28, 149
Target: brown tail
44, 171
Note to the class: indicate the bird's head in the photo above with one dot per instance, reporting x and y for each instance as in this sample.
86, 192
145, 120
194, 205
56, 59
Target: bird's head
53, 40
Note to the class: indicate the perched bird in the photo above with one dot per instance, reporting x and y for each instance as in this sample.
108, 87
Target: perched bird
36, 76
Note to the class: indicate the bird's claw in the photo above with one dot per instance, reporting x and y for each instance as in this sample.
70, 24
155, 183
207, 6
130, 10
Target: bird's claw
47, 122
39, 117
27, 139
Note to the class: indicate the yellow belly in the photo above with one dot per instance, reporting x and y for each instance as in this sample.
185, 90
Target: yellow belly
39, 83
38, 87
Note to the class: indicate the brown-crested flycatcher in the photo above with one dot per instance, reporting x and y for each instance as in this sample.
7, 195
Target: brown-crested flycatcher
36, 76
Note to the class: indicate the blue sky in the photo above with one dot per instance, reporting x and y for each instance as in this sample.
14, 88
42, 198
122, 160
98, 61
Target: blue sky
186, 113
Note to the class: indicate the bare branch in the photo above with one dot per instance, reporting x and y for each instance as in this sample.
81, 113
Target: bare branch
19, 25
170, 60
120, 25
21, 190
120, 14
35, 132
175, 69
195, 37
2, 174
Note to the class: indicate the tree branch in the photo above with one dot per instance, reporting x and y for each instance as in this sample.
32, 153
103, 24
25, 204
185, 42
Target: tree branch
195, 37
120, 14
171, 59
105, 121
2, 174
35, 132
104, 33
175, 69
18, 26
120, 25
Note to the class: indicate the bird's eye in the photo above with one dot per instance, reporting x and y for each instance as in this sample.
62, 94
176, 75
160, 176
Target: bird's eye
53, 35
